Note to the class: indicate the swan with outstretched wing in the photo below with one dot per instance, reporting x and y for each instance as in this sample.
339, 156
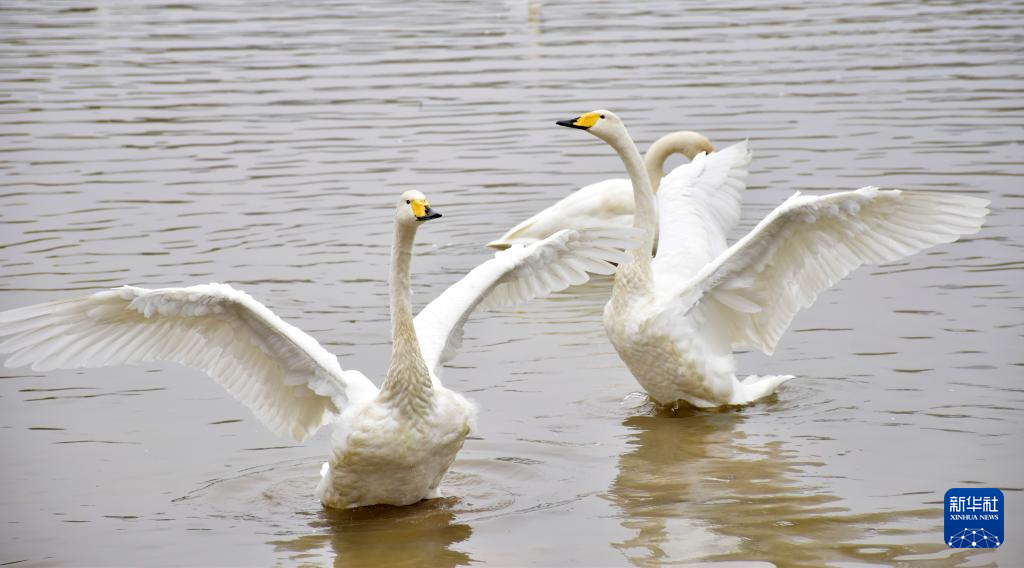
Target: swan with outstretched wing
390, 445
675, 319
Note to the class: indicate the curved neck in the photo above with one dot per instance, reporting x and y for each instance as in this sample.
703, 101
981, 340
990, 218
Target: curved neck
654, 164
682, 142
407, 385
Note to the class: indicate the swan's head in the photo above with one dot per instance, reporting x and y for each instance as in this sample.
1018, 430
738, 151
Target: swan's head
413, 208
604, 124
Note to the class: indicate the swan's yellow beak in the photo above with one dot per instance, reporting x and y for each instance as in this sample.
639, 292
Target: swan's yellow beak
422, 211
583, 121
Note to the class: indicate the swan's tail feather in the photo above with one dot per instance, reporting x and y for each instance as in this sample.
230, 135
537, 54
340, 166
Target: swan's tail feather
757, 387
324, 488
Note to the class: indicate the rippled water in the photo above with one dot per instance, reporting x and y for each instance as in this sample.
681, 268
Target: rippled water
262, 144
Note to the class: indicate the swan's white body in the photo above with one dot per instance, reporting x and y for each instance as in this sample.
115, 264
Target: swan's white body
607, 203
675, 319
390, 445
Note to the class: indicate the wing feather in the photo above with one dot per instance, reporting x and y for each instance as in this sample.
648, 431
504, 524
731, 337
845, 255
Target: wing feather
807, 244
516, 275
283, 375
698, 204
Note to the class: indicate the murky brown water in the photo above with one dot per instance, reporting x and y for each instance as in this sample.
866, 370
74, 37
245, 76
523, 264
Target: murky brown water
262, 143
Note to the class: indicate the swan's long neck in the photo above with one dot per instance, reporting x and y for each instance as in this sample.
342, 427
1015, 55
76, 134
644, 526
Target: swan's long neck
683, 142
635, 275
407, 386
654, 164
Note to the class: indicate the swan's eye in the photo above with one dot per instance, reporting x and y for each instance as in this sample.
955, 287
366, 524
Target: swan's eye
602, 116
407, 202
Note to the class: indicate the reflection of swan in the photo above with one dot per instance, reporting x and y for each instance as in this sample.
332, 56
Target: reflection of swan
695, 486
607, 203
418, 535
389, 446
675, 320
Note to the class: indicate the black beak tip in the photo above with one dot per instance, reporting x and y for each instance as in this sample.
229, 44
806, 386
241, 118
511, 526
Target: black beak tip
572, 124
428, 215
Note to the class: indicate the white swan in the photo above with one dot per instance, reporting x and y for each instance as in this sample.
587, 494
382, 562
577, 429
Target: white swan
675, 320
391, 445
607, 203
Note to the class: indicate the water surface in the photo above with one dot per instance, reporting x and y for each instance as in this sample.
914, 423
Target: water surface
263, 144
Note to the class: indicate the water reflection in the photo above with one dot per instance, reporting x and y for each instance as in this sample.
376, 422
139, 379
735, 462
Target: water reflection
417, 535
695, 486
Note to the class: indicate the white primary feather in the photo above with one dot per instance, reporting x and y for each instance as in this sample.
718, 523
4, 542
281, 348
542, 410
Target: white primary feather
291, 383
809, 243
517, 275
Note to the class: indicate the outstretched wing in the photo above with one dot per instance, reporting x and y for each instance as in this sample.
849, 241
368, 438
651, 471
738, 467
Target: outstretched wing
698, 204
807, 244
291, 383
515, 275
607, 203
